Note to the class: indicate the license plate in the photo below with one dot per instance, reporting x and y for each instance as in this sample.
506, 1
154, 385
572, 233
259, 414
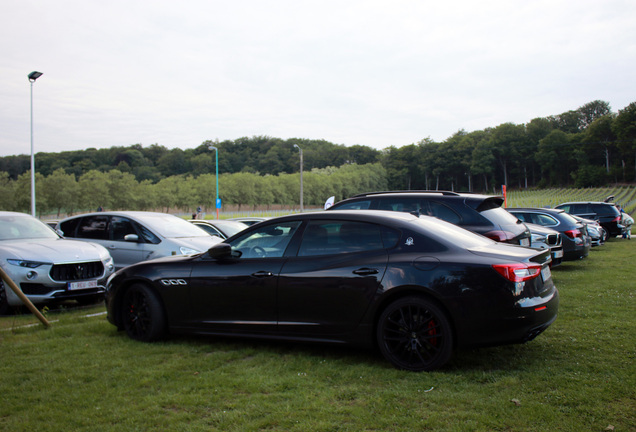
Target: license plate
545, 273
558, 254
524, 242
82, 285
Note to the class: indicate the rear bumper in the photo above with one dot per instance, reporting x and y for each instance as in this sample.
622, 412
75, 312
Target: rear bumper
529, 318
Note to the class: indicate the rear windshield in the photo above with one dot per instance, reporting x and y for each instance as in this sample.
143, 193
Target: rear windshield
499, 216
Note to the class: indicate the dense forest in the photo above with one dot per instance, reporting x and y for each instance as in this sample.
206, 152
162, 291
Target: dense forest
589, 146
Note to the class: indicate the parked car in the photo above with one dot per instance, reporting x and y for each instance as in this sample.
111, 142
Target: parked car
576, 241
133, 236
546, 238
597, 233
605, 213
249, 220
481, 214
219, 227
417, 287
46, 267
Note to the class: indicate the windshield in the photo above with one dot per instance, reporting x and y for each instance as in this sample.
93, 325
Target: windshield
500, 217
170, 226
21, 227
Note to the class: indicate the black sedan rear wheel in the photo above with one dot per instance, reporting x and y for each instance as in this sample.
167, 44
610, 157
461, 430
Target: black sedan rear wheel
144, 317
414, 334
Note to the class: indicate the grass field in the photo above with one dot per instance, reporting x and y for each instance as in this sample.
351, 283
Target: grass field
580, 375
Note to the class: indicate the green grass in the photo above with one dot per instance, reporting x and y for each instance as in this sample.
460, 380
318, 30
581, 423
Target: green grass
82, 375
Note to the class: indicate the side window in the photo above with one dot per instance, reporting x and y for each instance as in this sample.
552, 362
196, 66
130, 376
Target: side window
567, 208
522, 217
603, 210
120, 227
269, 241
546, 220
356, 205
335, 237
443, 212
93, 227
68, 227
579, 209
146, 235
399, 204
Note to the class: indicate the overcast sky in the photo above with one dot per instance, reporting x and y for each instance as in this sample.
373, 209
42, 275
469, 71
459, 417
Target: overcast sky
375, 73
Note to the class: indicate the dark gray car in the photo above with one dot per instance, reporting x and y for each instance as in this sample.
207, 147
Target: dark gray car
576, 241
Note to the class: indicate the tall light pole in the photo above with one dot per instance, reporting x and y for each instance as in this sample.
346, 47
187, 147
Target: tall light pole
32, 77
301, 177
217, 202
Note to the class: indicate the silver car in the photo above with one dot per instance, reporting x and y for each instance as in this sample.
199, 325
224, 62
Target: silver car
546, 238
134, 236
47, 267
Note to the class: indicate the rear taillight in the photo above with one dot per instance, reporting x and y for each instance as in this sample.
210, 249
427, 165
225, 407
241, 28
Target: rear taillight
500, 236
617, 219
574, 233
518, 272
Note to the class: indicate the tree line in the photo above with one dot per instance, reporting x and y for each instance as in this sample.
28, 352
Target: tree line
589, 146
61, 193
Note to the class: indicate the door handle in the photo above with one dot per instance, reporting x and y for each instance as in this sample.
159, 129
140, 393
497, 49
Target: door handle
366, 271
262, 274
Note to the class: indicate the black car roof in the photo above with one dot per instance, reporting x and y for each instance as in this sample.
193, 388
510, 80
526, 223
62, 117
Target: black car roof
379, 215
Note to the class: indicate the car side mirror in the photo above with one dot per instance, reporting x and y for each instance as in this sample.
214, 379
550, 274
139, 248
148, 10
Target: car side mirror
133, 238
220, 251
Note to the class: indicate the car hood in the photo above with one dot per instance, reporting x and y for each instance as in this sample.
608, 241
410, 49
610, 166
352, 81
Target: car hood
52, 250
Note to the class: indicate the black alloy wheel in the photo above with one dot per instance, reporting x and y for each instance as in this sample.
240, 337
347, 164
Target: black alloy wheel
144, 317
414, 334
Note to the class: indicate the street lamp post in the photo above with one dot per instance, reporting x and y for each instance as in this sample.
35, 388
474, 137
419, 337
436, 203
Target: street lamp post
216, 202
301, 177
32, 77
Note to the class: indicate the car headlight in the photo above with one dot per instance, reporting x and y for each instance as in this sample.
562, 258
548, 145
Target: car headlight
187, 251
25, 263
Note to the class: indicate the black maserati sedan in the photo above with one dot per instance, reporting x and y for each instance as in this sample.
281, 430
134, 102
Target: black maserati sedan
415, 287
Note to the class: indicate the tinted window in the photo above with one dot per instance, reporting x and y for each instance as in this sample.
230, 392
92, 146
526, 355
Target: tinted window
121, 227
400, 204
68, 227
355, 205
605, 210
440, 211
335, 237
579, 209
267, 241
93, 227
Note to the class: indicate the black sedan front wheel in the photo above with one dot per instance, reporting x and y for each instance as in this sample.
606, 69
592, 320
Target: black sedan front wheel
144, 317
414, 334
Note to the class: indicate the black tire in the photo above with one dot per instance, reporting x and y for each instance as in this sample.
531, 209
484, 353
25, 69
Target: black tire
143, 314
414, 334
5, 309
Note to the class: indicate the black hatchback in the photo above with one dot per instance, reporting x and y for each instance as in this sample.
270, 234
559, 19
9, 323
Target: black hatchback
414, 287
481, 214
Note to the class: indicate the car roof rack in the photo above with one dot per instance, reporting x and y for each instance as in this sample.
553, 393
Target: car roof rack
439, 192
